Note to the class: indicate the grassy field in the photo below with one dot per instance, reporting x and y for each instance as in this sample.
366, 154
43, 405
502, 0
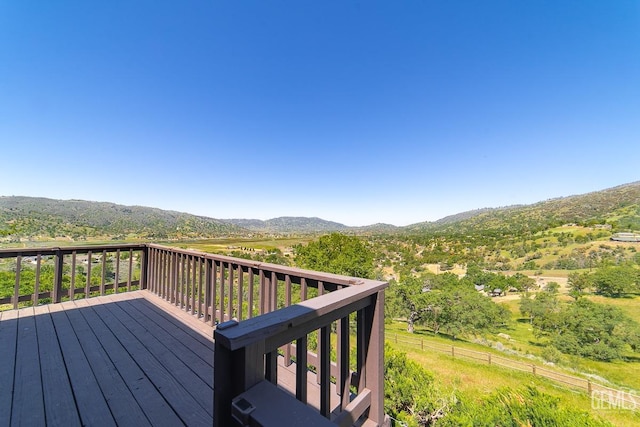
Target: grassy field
229, 245
475, 380
619, 373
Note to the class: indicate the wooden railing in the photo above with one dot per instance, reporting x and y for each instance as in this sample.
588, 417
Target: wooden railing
246, 353
233, 291
58, 274
264, 313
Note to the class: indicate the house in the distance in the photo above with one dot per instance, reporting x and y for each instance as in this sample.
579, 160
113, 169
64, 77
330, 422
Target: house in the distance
626, 237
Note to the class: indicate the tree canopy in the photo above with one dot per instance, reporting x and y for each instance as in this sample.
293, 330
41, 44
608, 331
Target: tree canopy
446, 304
337, 253
583, 328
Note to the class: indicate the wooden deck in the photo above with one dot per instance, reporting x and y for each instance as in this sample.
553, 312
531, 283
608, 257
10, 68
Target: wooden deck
115, 360
124, 359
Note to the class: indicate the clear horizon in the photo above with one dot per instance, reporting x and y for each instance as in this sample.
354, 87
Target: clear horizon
352, 112
329, 219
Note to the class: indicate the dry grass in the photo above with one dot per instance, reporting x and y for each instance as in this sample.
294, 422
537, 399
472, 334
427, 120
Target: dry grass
475, 380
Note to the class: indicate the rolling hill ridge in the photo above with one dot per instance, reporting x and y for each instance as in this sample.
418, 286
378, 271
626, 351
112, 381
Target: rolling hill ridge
36, 217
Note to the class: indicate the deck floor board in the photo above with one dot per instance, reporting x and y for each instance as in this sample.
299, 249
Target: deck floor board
198, 365
119, 397
127, 359
28, 400
58, 397
176, 369
112, 360
8, 340
89, 401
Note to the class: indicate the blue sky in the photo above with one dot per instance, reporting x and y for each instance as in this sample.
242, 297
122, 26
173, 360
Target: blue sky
353, 111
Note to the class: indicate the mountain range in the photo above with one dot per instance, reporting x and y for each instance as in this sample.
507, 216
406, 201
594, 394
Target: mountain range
41, 217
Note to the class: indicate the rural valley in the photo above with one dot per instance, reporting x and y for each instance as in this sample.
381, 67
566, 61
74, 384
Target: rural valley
524, 311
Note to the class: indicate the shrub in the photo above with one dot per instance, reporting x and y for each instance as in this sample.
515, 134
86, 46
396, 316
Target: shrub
516, 408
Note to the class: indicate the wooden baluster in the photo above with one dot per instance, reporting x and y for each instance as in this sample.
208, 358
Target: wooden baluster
324, 371
116, 285
72, 282
104, 271
274, 291
184, 281
301, 369
303, 289
207, 290
166, 274
344, 383
200, 279
194, 283
230, 301
271, 361
214, 291
154, 283
222, 284
320, 292
174, 280
130, 270
287, 303
361, 354
262, 291
87, 288
16, 288
250, 292
240, 292
36, 287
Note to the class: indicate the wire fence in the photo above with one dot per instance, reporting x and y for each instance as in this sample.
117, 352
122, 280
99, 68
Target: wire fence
602, 397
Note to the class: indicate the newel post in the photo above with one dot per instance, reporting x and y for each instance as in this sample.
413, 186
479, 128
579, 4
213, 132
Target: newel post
144, 267
375, 360
58, 273
234, 372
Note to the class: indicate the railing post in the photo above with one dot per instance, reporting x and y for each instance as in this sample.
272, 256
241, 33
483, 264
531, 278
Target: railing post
57, 280
151, 274
234, 373
370, 354
374, 364
144, 265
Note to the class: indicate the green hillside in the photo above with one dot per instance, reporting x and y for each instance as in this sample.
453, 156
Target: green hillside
618, 207
40, 218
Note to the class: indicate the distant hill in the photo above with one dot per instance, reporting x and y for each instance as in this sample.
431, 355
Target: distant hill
289, 224
450, 219
34, 217
376, 228
25, 217
618, 206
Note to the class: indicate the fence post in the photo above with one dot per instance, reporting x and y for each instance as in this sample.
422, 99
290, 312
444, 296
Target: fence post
453, 351
489, 358
422, 344
589, 387
533, 369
